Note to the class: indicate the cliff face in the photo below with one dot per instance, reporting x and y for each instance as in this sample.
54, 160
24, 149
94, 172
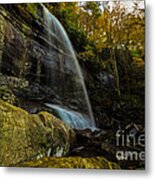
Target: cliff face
21, 38
35, 48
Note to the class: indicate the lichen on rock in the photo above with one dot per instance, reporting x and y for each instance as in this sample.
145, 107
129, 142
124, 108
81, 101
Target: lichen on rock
72, 162
26, 137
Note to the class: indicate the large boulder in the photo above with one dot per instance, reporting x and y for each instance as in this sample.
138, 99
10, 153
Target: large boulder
26, 137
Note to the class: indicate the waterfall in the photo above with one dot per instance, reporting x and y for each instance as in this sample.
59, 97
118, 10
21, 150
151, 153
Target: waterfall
42, 69
74, 119
65, 76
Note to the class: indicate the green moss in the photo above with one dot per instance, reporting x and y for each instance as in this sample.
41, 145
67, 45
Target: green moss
7, 95
25, 28
32, 8
25, 137
72, 162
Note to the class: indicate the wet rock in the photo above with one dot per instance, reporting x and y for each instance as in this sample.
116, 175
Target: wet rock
10, 84
34, 92
89, 144
103, 143
26, 137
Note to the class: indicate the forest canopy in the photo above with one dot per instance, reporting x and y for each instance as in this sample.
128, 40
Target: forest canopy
102, 29
104, 23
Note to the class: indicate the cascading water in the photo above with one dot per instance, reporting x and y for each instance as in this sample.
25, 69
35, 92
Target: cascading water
40, 67
73, 118
65, 76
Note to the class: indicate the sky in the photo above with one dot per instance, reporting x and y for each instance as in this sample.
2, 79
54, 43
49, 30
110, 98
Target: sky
129, 3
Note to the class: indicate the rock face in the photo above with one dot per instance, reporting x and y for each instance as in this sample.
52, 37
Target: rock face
73, 162
24, 47
26, 137
18, 34
35, 47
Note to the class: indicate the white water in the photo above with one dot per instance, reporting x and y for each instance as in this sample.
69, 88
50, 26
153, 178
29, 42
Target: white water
61, 51
74, 119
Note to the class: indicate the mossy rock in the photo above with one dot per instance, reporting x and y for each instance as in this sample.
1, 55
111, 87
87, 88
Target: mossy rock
72, 162
8, 84
26, 137
7, 95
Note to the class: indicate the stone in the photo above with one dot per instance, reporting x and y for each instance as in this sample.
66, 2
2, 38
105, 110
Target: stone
26, 137
72, 162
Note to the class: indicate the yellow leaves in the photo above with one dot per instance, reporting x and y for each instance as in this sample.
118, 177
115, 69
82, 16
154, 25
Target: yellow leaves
87, 55
116, 25
62, 6
137, 62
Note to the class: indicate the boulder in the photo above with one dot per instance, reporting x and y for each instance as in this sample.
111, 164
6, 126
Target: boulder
72, 162
26, 137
